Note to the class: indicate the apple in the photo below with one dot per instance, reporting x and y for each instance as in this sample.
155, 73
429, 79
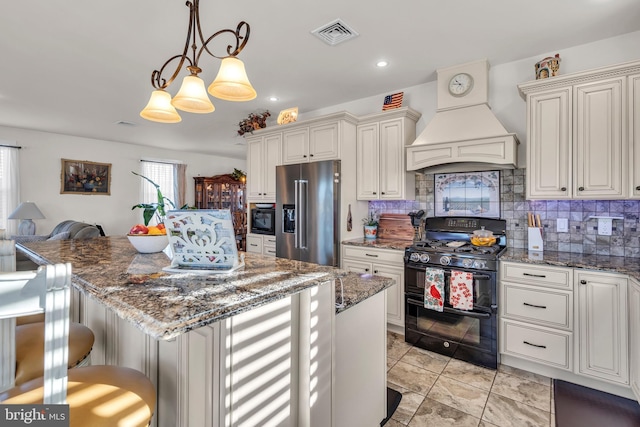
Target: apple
139, 229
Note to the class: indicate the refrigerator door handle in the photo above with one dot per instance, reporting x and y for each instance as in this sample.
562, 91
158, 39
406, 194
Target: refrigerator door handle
302, 209
296, 221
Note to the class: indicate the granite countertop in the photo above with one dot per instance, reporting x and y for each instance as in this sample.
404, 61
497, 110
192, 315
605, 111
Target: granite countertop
613, 264
379, 243
165, 305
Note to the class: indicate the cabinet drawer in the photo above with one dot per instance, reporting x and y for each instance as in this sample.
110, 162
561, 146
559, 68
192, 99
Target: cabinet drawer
254, 244
540, 345
269, 250
269, 240
373, 255
531, 274
545, 307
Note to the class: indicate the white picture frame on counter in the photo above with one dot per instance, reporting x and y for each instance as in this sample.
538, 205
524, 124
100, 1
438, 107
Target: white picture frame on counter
474, 194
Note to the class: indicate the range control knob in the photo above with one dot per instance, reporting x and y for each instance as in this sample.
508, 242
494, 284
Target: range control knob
424, 257
467, 263
479, 265
414, 257
445, 260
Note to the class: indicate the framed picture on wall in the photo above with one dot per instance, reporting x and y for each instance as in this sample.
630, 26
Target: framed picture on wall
84, 177
467, 194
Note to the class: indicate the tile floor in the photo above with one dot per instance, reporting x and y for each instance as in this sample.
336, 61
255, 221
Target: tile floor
438, 391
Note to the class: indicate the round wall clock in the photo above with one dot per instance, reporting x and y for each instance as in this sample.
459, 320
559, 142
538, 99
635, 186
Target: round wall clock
460, 84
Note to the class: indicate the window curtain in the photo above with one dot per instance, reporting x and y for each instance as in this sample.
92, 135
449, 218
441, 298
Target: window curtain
181, 188
9, 188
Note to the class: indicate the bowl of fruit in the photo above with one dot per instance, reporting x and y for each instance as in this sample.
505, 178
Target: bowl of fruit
148, 239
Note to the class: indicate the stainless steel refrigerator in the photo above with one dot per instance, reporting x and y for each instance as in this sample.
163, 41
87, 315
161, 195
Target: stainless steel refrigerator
308, 212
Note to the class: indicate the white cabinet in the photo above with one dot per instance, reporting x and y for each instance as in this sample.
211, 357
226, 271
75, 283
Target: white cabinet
580, 134
634, 336
380, 262
634, 133
536, 319
261, 244
549, 136
311, 143
381, 172
570, 324
264, 153
601, 326
601, 152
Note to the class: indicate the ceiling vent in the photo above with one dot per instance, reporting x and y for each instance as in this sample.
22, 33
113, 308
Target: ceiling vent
335, 32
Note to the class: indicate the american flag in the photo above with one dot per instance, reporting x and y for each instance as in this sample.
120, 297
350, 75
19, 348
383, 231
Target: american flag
392, 101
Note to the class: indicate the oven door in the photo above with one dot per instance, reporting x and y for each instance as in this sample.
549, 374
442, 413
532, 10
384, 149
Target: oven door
466, 335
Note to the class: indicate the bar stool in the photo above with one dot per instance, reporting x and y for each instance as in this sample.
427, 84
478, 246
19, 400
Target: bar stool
98, 396
29, 333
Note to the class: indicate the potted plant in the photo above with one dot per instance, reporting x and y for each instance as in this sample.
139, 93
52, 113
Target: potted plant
370, 226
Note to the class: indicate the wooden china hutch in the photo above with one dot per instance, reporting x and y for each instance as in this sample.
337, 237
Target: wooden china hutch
224, 192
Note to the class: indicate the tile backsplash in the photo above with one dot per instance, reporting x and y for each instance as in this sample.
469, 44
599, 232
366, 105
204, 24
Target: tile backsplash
582, 236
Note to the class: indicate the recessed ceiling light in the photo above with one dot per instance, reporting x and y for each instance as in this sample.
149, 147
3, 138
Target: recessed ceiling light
382, 64
273, 98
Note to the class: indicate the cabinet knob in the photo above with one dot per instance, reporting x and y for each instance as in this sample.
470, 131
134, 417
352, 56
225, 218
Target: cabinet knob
366, 269
382, 192
375, 192
638, 188
580, 188
375, 271
304, 155
563, 189
310, 155
583, 282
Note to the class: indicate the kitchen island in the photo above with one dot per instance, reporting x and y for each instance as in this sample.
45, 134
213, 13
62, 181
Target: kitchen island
265, 345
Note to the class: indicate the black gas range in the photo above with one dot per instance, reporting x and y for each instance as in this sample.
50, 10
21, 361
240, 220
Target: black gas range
469, 335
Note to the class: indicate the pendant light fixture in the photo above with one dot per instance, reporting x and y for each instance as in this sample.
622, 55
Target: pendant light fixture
231, 83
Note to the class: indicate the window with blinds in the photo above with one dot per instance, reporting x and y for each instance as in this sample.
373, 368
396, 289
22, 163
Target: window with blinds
163, 174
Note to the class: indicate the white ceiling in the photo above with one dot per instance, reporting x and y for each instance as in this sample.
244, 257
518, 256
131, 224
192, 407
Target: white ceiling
77, 67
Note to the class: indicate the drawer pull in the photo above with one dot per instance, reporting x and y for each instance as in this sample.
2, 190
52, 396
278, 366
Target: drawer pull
375, 271
252, 244
583, 282
533, 305
542, 276
366, 269
534, 345
372, 255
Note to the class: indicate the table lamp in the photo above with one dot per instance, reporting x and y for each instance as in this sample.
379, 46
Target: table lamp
26, 212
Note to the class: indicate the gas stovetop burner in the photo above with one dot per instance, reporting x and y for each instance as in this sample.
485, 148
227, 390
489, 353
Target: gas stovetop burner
446, 242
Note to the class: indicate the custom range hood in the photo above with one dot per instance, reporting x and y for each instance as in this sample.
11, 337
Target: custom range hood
464, 134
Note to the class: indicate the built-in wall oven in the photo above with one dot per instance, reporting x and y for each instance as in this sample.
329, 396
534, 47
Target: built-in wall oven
469, 335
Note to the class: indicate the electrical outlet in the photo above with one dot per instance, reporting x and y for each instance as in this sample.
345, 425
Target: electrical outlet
605, 226
562, 225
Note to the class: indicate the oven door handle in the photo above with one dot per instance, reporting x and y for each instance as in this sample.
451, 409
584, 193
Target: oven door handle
453, 310
447, 273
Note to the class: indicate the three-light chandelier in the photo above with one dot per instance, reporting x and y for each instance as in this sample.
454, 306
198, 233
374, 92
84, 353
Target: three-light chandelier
231, 83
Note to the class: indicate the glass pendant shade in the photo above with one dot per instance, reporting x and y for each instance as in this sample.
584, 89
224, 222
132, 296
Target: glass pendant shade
159, 108
232, 83
192, 96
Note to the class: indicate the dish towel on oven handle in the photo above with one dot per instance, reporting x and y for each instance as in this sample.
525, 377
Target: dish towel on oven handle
434, 289
461, 290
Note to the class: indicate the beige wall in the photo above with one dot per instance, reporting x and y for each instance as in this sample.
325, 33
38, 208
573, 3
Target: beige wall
40, 166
